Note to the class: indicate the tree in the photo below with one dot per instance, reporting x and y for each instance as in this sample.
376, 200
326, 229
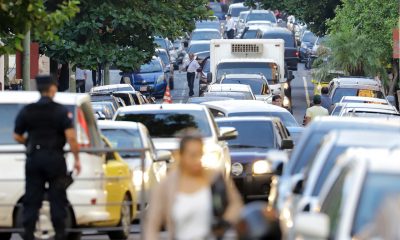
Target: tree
39, 16
121, 32
314, 12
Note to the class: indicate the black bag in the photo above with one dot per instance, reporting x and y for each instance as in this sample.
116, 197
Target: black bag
220, 203
68, 180
186, 68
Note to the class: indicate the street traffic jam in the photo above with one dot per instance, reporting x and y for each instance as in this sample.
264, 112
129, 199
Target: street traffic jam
334, 174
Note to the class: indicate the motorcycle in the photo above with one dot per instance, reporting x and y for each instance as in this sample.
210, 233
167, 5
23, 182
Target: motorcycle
309, 60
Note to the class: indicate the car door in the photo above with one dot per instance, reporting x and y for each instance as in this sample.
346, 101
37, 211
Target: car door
117, 177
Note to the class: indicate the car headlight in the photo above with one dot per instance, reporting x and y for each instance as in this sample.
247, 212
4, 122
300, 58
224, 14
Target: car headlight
261, 167
237, 169
211, 160
137, 178
160, 79
285, 85
286, 102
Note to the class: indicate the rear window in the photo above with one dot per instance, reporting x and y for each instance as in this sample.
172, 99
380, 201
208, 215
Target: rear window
169, 124
341, 92
195, 48
261, 17
288, 38
234, 95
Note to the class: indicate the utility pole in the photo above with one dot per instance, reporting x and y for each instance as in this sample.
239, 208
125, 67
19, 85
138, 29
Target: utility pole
72, 77
26, 61
106, 74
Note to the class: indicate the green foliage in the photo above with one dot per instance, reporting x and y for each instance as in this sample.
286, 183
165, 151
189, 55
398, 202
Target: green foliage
18, 16
120, 32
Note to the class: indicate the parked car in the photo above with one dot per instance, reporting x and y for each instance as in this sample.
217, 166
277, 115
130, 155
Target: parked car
352, 194
257, 82
103, 110
168, 66
199, 100
166, 121
261, 15
167, 45
356, 99
291, 51
236, 88
368, 110
90, 202
204, 34
107, 97
136, 136
217, 10
112, 88
150, 79
251, 171
208, 24
354, 86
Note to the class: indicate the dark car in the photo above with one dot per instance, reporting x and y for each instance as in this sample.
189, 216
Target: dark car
168, 66
107, 97
250, 170
208, 24
307, 43
151, 79
291, 51
205, 69
103, 110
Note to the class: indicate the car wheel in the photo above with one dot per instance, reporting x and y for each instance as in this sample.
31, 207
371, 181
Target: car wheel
171, 84
44, 227
124, 222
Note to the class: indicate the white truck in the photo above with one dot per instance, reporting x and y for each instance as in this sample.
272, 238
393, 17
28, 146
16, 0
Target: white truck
251, 56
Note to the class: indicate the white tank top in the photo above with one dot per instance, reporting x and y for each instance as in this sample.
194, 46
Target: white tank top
192, 215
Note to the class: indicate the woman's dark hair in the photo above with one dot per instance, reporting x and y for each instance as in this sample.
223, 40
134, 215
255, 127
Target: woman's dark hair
189, 135
325, 90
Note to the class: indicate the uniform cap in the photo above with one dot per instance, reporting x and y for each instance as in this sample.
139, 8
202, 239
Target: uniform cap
45, 80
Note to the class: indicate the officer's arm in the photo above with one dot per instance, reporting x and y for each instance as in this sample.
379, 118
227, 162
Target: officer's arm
70, 135
20, 138
20, 127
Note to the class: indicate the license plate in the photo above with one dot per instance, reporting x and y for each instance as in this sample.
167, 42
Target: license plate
365, 93
143, 88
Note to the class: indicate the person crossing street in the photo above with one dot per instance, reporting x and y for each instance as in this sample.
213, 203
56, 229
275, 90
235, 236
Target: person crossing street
230, 27
48, 126
191, 66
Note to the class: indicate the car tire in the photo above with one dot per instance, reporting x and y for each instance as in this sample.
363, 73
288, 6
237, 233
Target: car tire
171, 84
124, 222
70, 223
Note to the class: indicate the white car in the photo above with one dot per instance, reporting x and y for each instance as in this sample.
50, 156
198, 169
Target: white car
166, 121
135, 135
370, 100
113, 88
88, 199
360, 181
203, 34
307, 188
235, 9
257, 82
368, 110
241, 88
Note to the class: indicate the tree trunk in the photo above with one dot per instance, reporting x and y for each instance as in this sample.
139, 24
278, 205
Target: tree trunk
63, 79
395, 79
6, 69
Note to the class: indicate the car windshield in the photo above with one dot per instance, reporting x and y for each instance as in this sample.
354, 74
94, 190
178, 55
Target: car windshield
152, 66
261, 17
269, 70
234, 95
288, 38
164, 57
8, 113
124, 138
203, 35
206, 24
327, 167
257, 85
247, 137
167, 124
250, 34
161, 43
195, 48
341, 92
287, 118
216, 7
377, 187
309, 37
235, 12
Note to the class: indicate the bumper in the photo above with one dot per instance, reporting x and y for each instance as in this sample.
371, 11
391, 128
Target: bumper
253, 187
292, 63
156, 90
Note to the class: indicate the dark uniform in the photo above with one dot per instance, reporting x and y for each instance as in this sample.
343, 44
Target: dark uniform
45, 122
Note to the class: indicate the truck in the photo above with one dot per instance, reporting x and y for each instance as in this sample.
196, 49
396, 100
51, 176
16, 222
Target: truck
251, 56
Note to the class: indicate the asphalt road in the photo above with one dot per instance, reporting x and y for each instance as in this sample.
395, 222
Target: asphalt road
302, 89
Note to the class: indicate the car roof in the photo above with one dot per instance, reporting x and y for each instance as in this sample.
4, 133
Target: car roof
111, 87
206, 30
277, 30
26, 97
245, 106
162, 107
207, 99
363, 99
366, 138
245, 75
332, 122
161, 50
368, 106
247, 119
261, 11
200, 42
247, 60
107, 124
229, 88
356, 81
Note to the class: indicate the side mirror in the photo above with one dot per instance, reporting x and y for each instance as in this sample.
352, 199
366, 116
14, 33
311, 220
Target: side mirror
287, 144
290, 76
163, 156
100, 116
209, 77
297, 185
227, 133
305, 225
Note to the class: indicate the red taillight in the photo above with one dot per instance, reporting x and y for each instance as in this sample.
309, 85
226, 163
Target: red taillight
297, 53
82, 130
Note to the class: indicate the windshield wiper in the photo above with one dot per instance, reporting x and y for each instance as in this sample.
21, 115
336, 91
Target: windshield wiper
245, 146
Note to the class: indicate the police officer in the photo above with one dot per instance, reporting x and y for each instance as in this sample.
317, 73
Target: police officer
48, 126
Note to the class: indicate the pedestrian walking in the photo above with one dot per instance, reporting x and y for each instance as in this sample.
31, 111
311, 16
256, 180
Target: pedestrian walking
326, 101
230, 27
191, 66
81, 77
196, 203
277, 100
48, 126
315, 111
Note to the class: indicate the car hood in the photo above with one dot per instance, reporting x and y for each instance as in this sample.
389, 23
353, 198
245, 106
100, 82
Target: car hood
172, 144
146, 77
247, 155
